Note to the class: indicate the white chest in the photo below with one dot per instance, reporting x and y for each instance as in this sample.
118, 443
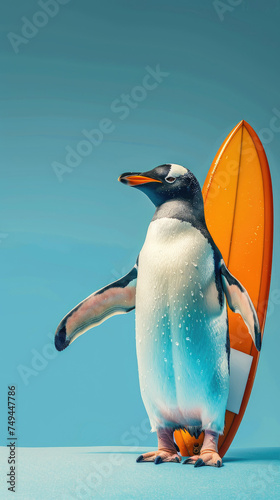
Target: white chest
176, 270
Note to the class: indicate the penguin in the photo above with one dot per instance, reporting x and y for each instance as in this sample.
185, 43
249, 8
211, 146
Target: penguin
179, 288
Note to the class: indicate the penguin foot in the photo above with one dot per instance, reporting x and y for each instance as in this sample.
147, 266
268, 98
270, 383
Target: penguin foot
167, 449
206, 457
159, 456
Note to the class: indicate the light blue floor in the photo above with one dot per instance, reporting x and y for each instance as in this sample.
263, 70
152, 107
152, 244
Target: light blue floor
111, 472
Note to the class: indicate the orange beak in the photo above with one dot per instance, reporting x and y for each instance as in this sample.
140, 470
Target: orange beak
135, 180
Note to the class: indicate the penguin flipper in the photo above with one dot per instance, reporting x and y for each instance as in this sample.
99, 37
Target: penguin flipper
239, 302
116, 298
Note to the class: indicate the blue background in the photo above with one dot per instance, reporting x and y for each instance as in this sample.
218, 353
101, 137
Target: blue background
60, 241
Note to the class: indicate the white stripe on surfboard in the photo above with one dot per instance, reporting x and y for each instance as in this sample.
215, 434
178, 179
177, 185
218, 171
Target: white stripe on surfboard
240, 365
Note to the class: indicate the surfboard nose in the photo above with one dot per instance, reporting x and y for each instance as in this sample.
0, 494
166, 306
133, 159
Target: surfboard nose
60, 340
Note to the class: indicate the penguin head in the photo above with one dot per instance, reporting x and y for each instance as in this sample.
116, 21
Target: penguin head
164, 183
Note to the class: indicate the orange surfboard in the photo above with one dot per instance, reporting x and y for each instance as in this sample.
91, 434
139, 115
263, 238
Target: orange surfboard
239, 214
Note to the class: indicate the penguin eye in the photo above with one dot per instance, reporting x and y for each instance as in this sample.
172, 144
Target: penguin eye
170, 179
